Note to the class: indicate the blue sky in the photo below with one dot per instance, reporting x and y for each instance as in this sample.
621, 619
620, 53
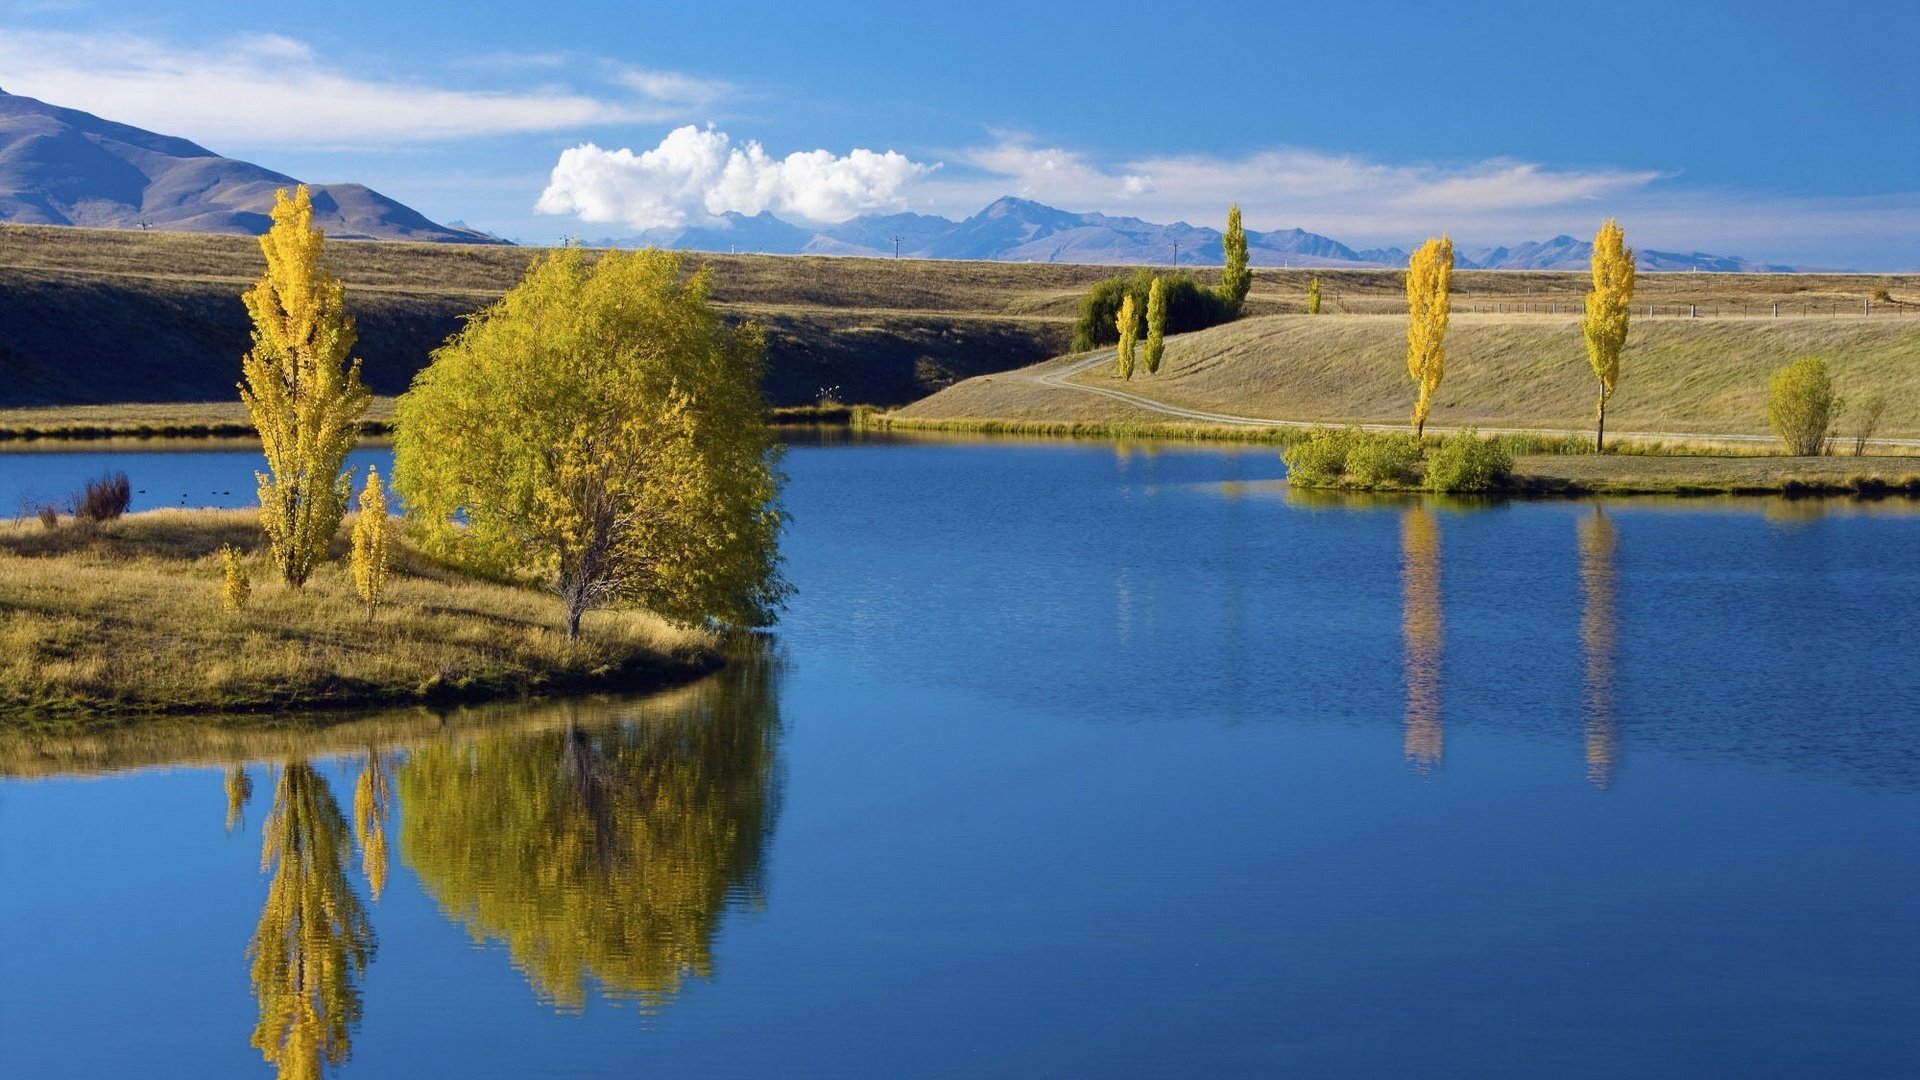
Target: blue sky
1773, 131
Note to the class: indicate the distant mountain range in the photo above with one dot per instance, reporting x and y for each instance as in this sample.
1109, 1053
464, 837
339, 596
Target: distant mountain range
1020, 230
66, 167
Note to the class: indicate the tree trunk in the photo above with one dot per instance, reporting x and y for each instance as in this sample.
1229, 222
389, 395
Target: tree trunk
1600, 429
574, 610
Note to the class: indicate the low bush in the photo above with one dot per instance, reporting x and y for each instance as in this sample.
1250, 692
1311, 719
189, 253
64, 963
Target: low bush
1802, 406
1321, 458
1351, 458
1466, 463
103, 499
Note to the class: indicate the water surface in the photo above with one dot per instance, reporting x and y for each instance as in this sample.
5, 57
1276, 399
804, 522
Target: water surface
1071, 759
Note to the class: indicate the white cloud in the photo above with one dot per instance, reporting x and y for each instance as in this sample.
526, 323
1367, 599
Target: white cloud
696, 173
267, 89
1337, 193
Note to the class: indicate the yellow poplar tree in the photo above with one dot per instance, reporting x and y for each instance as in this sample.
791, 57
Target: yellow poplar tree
1605, 326
372, 537
1127, 322
301, 390
1313, 296
1156, 325
1429, 277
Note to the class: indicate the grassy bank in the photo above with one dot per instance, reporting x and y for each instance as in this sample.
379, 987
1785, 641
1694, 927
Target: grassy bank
126, 618
228, 420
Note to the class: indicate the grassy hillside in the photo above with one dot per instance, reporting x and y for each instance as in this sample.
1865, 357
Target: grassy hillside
92, 316
1705, 375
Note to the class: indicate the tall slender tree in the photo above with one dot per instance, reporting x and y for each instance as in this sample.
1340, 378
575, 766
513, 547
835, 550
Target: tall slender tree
1128, 323
301, 390
1235, 279
1429, 277
1156, 325
1605, 326
372, 544
1313, 295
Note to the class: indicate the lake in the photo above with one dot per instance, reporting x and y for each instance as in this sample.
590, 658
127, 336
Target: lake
1068, 759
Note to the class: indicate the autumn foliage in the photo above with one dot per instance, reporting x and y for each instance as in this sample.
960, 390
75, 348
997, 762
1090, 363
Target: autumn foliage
301, 390
1429, 279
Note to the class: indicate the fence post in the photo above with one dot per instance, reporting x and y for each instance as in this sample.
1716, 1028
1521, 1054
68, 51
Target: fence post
1693, 311
1776, 309
1866, 306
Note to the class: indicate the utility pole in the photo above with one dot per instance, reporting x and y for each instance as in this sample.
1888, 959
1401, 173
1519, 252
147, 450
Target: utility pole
1176, 254
896, 245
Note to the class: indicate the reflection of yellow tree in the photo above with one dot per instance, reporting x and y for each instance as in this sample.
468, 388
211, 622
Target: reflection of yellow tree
1421, 626
372, 805
314, 941
239, 792
1598, 631
601, 853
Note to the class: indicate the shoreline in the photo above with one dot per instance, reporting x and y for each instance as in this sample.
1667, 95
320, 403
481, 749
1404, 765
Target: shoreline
122, 622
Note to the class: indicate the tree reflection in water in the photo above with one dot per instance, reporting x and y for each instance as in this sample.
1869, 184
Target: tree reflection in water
314, 941
1422, 629
1599, 632
602, 854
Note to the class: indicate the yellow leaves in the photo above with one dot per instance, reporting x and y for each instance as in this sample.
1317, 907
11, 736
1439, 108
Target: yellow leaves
372, 543
1605, 326
1608, 304
301, 391
313, 941
1127, 322
1429, 281
236, 587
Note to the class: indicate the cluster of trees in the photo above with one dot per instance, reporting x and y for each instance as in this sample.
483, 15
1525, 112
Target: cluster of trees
599, 429
1184, 305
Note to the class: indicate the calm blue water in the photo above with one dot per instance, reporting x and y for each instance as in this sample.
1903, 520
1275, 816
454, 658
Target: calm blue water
1075, 761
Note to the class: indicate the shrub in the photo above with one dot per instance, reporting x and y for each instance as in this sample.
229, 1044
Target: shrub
1189, 307
1801, 405
1351, 458
1468, 463
103, 499
1867, 423
49, 516
1376, 461
1320, 459
236, 587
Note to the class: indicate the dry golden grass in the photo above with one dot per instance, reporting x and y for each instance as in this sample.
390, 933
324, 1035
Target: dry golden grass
127, 618
1691, 376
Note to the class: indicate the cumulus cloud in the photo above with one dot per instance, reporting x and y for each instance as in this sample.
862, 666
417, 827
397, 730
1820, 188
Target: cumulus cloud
265, 89
697, 173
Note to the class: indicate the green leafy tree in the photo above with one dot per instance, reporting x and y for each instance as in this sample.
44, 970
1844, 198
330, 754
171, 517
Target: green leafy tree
1156, 325
1235, 279
1190, 306
1801, 405
599, 428
1128, 324
1313, 295
301, 390
1605, 327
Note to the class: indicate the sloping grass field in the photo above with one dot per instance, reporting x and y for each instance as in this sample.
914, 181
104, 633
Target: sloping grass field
1679, 375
